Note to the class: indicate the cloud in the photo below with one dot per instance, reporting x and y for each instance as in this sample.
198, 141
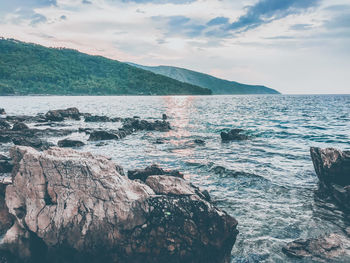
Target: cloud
300, 27
86, 2
180, 2
180, 26
220, 20
38, 18
266, 11
341, 21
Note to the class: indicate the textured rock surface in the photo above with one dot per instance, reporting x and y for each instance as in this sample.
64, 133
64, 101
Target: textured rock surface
325, 248
76, 207
163, 184
332, 167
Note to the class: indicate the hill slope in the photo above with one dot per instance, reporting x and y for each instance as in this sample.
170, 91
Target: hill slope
218, 86
33, 69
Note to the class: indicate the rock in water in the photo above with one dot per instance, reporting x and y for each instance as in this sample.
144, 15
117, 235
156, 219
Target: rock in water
321, 249
20, 126
233, 135
332, 167
75, 207
60, 115
70, 143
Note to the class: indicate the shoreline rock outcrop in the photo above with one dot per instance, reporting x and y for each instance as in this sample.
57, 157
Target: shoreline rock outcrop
68, 206
332, 167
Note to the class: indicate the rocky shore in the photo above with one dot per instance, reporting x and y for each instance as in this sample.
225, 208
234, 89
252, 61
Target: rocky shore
332, 168
61, 205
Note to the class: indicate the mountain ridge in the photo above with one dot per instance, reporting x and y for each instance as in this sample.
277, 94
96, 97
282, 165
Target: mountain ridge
217, 85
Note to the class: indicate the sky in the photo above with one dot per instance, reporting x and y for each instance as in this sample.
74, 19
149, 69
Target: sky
294, 46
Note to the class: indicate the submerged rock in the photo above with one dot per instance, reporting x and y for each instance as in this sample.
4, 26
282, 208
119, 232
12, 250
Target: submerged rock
60, 115
70, 143
233, 135
332, 167
154, 169
75, 207
321, 249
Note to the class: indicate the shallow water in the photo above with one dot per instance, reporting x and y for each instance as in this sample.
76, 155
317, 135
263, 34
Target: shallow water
268, 182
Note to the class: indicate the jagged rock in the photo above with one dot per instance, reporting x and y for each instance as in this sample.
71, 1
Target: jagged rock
233, 135
103, 135
332, 167
320, 249
20, 126
76, 207
70, 143
154, 169
4, 125
60, 115
164, 117
2, 111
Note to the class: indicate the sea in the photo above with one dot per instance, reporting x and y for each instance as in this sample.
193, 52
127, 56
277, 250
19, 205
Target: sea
267, 183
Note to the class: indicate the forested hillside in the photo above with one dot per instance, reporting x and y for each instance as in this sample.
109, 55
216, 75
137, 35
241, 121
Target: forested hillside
33, 69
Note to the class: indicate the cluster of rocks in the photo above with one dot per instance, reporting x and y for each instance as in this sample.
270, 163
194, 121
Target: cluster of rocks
130, 125
66, 206
13, 128
332, 167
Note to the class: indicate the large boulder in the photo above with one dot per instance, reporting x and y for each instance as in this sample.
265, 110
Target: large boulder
69, 206
332, 167
60, 115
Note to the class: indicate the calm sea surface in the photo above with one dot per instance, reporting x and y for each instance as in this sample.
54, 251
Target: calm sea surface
268, 183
